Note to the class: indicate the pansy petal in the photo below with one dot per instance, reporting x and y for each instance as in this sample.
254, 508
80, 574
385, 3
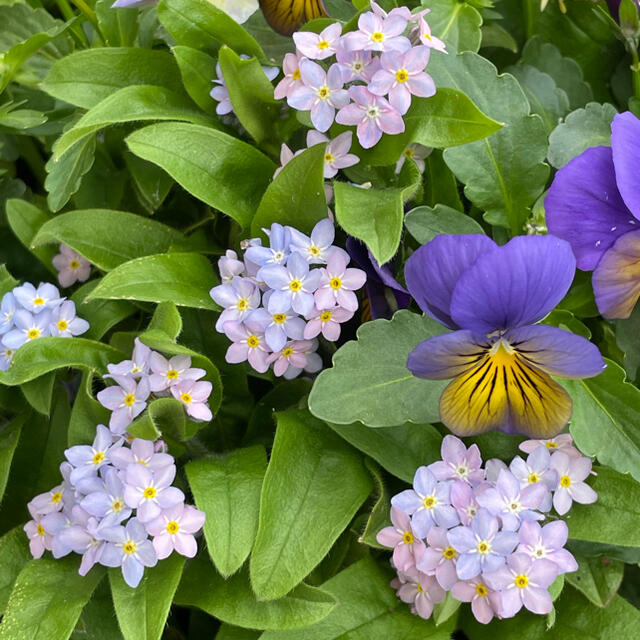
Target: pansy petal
514, 285
584, 206
625, 133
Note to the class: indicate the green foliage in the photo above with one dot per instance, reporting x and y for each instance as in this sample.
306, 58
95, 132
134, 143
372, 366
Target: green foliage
425, 223
597, 578
458, 24
14, 554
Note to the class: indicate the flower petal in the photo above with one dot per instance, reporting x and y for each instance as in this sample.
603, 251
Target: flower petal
625, 133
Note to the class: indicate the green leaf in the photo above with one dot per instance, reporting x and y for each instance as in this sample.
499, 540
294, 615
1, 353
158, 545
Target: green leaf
198, 24
626, 337
142, 612
367, 608
9, 436
182, 278
39, 392
400, 450
163, 417
425, 223
14, 554
503, 174
117, 27
107, 238
129, 104
87, 77
220, 170
151, 183
328, 478
458, 24
20, 119
37, 357
494, 35
598, 579
366, 373
379, 516
227, 489
166, 318
7, 281
605, 419
234, 602
25, 219
444, 610
86, 413
196, 68
97, 621
47, 599
296, 196
64, 175
584, 128
613, 518
229, 632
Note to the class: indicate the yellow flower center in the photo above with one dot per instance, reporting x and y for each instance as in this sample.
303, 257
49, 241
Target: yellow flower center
402, 75
407, 537
323, 93
149, 493
286, 353
74, 264
419, 588
377, 36
186, 398
551, 445
279, 318
56, 497
98, 457
129, 547
427, 36
173, 527
533, 478
323, 44
430, 502
481, 590
296, 75
335, 283
62, 325
328, 158
521, 581
483, 547
129, 399
33, 333
295, 285
409, 153
325, 316
253, 341
117, 505
172, 374
243, 304
565, 481
40, 530
38, 302
449, 553
313, 250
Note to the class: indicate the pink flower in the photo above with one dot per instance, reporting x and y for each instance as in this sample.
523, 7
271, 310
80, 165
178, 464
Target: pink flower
356, 65
562, 442
194, 395
248, 344
174, 529
405, 12
464, 501
286, 156
318, 46
126, 401
338, 284
424, 33
71, 266
419, 590
167, 373
337, 154
402, 75
137, 367
150, 492
322, 93
439, 558
292, 78
408, 548
376, 33
143, 452
292, 359
229, 266
373, 115
458, 462
485, 602
328, 322
416, 152
39, 539
571, 473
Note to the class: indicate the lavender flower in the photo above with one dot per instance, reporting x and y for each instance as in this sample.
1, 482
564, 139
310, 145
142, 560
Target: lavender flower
46, 296
464, 501
39, 538
318, 248
150, 492
64, 323
408, 548
292, 359
71, 266
337, 285
174, 529
337, 154
327, 322
458, 462
167, 373
47, 502
193, 395
238, 299
87, 459
126, 401
419, 590
547, 542
416, 152
248, 344
229, 266
485, 602
8, 308
278, 327
108, 505
562, 442
439, 558
278, 250
536, 469
318, 46
376, 33
141, 452
356, 65
571, 473
292, 76
28, 327
137, 367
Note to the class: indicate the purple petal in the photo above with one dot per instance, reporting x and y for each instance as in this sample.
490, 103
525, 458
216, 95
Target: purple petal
468, 566
462, 539
499, 579
505, 542
424, 481
511, 602
514, 285
132, 571
407, 501
537, 600
625, 134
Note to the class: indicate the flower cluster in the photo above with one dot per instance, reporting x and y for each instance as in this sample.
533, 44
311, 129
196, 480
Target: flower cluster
376, 72
30, 312
477, 532
112, 498
71, 266
149, 374
276, 303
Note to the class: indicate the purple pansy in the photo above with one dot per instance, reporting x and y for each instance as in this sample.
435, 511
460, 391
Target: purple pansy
482, 547
338, 283
238, 299
150, 492
492, 297
318, 46
571, 486
174, 529
193, 394
126, 400
408, 547
439, 558
248, 344
547, 542
458, 462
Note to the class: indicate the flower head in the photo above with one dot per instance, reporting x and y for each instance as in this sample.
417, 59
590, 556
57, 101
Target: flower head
439, 558
28, 327
379, 33
174, 529
317, 248
292, 77
416, 152
571, 474
150, 492
337, 154
87, 459
458, 462
71, 266
337, 285
229, 266
327, 322
127, 400
356, 65
137, 367
167, 373
291, 359
278, 250
8, 308
46, 296
238, 299
248, 344
547, 542
278, 327
419, 590
318, 46
485, 602
408, 547
64, 323
193, 394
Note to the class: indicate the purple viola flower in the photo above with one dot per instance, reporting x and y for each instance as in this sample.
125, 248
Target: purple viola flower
562, 442
238, 299
167, 373
46, 296
337, 285
372, 114
193, 394
318, 46
142, 452
278, 327
500, 360
337, 154
327, 322
64, 323
419, 590
547, 542
536, 469
485, 602
322, 93
174, 529
379, 279
571, 474
137, 367
294, 285
512, 504
71, 266
7, 310
126, 400
129, 548
439, 558
292, 76
108, 505
292, 359
317, 248
87, 459
594, 204
356, 65
482, 547
229, 266
614, 7
278, 250
248, 344
458, 462
523, 581
377, 33
401, 76
428, 503
464, 501
150, 492
408, 548
28, 327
